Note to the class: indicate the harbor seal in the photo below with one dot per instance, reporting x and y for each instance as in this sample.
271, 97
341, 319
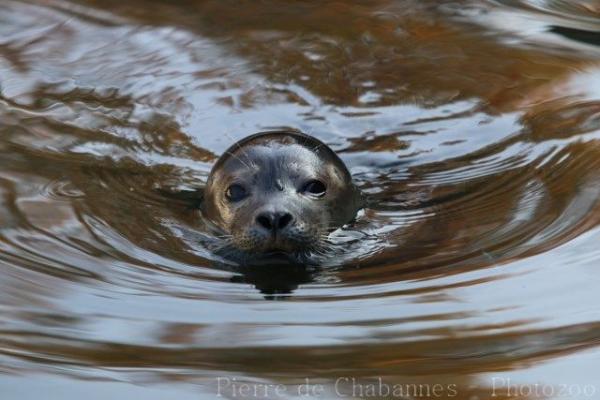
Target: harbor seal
276, 195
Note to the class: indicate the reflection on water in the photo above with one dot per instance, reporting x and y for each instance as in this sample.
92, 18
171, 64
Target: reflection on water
473, 126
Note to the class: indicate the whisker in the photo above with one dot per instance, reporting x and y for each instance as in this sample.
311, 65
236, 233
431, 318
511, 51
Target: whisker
242, 150
238, 158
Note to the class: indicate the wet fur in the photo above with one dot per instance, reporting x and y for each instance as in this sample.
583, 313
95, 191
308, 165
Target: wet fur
273, 164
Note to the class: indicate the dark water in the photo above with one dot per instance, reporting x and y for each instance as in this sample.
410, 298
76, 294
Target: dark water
473, 125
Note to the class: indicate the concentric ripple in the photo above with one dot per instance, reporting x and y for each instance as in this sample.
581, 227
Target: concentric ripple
477, 144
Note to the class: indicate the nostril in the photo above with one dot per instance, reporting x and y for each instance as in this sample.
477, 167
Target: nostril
284, 220
274, 221
264, 221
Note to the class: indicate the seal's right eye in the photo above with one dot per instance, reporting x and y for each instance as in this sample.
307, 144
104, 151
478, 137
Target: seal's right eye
235, 193
314, 188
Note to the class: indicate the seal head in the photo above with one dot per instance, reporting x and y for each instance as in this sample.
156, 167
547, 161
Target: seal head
278, 194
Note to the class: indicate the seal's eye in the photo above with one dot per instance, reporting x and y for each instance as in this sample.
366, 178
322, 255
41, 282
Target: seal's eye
235, 193
314, 188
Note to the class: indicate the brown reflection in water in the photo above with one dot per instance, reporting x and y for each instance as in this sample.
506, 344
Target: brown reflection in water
451, 361
359, 54
405, 52
410, 52
438, 244
388, 49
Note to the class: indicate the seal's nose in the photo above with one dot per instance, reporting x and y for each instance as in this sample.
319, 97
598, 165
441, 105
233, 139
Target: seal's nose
274, 221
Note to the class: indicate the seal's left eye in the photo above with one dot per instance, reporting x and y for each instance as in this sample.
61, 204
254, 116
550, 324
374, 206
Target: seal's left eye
314, 188
235, 193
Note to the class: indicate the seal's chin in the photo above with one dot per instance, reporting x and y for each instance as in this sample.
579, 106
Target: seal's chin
276, 256
271, 257
275, 253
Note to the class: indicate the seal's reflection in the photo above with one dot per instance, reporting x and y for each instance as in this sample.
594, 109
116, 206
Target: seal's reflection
275, 281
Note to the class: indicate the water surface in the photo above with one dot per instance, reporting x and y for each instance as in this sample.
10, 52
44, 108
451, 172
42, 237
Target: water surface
474, 126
